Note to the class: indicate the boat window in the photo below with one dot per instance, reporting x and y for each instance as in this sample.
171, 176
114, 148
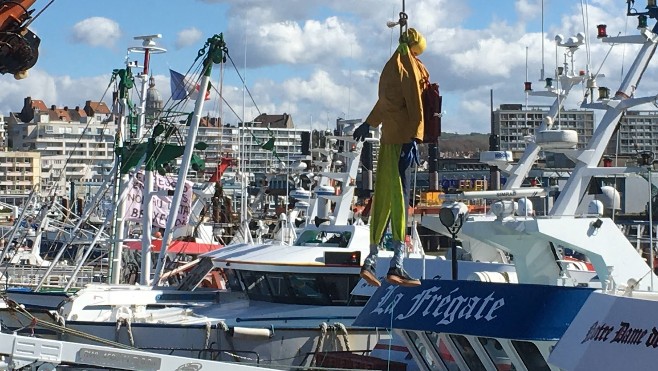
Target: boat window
468, 353
444, 353
307, 238
497, 354
232, 280
425, 355
308, 289
530, 355
279, 284
297, 288
324, 238
255, 283
339, 288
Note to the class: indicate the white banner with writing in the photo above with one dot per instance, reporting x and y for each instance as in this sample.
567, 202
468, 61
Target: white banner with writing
161, 203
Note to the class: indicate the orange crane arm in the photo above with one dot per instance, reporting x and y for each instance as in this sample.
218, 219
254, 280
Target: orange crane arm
14, 13
19, 47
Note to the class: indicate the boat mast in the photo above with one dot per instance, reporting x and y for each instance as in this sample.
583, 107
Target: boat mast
17, 223
123, 137
76, 229
148, 47
216, 50
565, 81
570, 196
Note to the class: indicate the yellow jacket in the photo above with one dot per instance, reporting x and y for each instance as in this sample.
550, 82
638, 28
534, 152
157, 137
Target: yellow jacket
399, 108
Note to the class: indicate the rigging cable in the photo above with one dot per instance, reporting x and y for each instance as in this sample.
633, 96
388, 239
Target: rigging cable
559, 96
584, 11
38, 14
51, 193
542, 72
244, 84
623, 51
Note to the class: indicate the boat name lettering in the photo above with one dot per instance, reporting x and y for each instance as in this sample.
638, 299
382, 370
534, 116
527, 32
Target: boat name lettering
118, 359
192, 366
506, 194
445, 306
623, 334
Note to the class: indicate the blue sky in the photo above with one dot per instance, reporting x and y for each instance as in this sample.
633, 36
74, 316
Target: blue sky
317, 60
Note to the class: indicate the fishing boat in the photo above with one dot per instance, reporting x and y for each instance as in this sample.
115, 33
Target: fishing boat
550, 319
20, 352
288, 305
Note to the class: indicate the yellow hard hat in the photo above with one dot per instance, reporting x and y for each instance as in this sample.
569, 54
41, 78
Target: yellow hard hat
416, 41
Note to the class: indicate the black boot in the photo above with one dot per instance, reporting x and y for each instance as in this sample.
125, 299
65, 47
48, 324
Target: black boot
368, 273
398, 276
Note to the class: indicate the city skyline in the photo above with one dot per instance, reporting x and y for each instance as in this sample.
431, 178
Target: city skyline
317, 61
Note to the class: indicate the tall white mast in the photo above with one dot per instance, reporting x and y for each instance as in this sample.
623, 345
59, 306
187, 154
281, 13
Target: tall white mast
148, 47
216, 50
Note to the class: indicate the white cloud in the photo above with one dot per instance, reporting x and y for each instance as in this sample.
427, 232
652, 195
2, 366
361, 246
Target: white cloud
313, 41
53, 90
319, 62
528, 9
187, 37
61, 90
468, 63
96, 31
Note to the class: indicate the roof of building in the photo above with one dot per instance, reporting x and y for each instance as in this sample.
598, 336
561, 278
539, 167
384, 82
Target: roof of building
66, 114
38, 104
99, 107
59, 114
273, 121
77, 113
212, 122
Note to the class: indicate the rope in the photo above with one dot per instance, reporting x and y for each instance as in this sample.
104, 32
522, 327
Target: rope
36, 322
342, 330
116, 330
222, 326
30, 325
390, 338
129, 328
229, 339
207, 343
320, 345
59, 319
239, 357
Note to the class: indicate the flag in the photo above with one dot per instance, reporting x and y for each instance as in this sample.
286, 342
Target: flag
182, 88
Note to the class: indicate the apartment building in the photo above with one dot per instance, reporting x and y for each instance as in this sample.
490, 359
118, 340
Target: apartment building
77, 144
74, 144
246, 142
20, 172
513, 123
3, 134
638, 132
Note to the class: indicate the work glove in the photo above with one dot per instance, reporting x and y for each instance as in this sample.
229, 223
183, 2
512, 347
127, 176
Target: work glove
408, 155
362, 132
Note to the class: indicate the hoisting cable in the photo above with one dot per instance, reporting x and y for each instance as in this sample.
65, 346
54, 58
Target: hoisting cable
39, 13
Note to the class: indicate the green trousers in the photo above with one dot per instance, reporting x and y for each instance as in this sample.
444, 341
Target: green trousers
388, 200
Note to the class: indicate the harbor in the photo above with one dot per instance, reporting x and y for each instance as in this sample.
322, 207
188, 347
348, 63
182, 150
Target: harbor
172, 224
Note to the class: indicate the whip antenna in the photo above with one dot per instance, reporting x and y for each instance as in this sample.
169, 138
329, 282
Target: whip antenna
402, 21
542, 77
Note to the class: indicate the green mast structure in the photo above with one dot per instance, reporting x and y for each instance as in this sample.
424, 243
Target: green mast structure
216, 53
